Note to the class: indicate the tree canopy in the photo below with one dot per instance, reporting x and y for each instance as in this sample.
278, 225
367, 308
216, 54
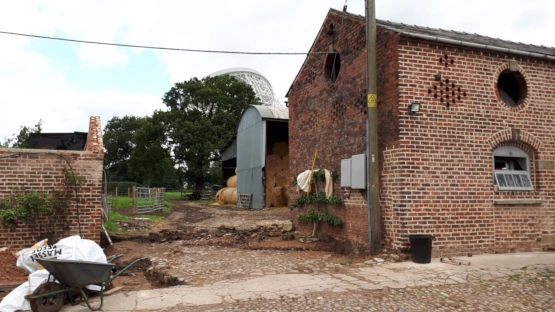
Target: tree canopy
183, 140
21, 140
200, 119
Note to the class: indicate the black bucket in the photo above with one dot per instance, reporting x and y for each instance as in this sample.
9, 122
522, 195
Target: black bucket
421, 248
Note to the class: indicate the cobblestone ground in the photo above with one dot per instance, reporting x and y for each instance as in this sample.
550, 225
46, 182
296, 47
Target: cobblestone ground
527, 292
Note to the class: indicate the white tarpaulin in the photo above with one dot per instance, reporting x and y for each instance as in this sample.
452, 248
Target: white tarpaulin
304, 177
70, 248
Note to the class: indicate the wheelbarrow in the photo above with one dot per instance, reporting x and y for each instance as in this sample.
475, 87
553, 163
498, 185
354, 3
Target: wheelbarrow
72, 276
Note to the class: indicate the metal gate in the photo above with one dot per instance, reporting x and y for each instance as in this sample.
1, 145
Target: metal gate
146, 200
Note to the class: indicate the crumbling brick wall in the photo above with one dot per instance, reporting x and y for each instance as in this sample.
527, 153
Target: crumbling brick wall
435, 166
41, 170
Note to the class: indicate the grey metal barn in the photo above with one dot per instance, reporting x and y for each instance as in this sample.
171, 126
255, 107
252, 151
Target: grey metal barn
259, 127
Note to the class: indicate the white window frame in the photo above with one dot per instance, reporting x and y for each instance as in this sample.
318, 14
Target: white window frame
515, 177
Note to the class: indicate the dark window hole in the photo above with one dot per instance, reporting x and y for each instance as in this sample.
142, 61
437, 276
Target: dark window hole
333, 65
452, 62
511, 88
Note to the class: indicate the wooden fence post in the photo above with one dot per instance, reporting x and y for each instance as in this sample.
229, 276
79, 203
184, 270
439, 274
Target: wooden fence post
116, 191
128, 192
133, 193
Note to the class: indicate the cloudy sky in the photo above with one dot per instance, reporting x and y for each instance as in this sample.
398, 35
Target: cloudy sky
64, 83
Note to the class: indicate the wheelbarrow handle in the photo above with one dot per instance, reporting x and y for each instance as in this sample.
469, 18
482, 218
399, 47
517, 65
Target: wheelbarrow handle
123, 270
114, 257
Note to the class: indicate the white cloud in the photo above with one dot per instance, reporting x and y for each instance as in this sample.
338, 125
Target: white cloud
32, 88
96, 55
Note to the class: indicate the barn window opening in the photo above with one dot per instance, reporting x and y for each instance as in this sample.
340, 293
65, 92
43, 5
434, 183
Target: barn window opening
333, 65
511, 169
511, 87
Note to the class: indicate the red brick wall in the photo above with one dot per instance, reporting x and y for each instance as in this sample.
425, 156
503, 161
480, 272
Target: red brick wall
445, 152
41, 170
436, 166
331, 116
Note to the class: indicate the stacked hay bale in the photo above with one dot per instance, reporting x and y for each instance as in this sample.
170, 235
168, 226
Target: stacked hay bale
228, 195
277, 176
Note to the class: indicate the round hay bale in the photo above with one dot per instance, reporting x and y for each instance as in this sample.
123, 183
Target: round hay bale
283, 179
274, 164
278, 197
280, 148
270, 180
268, 196
220, 196
232, 181
228, 195
285, 160
234, 197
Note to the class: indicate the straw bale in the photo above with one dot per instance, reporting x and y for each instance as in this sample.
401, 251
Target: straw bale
274, 164
283, 179
278, 197
219, 196
232, 181
285, 160
270, 180
228, 195
280, 148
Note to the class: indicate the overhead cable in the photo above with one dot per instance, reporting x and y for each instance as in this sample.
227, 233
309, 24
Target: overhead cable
159, 48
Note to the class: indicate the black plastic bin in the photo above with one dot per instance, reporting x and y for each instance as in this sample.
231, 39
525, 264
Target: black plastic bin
421, 248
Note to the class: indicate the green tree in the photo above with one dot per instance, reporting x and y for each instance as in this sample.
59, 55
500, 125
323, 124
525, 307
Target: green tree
21, 140
200, 119
118, 143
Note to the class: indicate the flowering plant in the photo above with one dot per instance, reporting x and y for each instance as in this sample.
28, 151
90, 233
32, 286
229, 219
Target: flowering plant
23, 208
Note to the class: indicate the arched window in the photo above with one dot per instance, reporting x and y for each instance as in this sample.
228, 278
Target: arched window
511, 169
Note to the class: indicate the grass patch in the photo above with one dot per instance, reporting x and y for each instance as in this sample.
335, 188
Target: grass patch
121, 202
514, 276
112, 225
172, 196
346, 262
151, 217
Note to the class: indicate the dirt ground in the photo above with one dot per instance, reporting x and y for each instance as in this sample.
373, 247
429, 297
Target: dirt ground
191, 223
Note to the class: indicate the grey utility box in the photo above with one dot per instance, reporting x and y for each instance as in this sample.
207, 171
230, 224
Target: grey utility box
346, 172
358, 172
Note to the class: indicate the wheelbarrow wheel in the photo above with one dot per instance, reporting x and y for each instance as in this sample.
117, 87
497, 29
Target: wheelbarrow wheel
51, 303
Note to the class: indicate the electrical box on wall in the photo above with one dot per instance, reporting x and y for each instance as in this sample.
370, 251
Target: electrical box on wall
346, 172
358, 172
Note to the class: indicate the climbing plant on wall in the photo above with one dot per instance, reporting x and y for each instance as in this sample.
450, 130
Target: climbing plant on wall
47, 212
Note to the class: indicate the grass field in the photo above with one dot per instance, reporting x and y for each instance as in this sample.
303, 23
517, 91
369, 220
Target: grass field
121, 202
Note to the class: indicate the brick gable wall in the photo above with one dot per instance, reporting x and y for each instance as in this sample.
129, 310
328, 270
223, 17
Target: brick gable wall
331, 116
41, 170
436, 166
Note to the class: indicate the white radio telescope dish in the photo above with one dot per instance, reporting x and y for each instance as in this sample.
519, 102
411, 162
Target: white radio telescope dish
256, 80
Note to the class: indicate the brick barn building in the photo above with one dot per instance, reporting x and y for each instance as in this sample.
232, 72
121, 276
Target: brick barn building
475, 166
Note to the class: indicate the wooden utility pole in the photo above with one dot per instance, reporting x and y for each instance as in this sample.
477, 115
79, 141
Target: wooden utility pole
374, 221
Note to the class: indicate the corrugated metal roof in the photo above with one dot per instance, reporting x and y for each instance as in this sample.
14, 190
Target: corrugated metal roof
272, 112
